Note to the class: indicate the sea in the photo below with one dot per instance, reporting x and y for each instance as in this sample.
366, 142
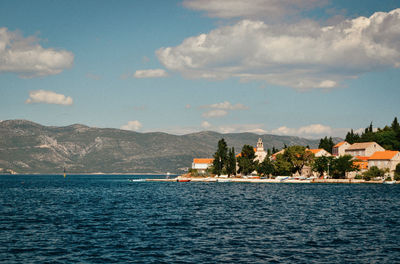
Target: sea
109, 219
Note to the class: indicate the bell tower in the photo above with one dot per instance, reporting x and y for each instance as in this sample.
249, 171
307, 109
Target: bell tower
260, 145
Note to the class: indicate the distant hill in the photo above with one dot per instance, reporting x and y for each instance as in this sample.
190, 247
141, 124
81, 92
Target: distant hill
27, 147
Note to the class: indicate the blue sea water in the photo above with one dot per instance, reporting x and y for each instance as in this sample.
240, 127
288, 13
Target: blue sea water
107, 219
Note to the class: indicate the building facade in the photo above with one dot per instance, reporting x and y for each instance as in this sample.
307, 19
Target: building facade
340, 148
364, 149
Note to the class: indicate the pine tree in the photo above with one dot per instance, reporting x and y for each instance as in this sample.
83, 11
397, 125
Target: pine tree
220, 157
231, 164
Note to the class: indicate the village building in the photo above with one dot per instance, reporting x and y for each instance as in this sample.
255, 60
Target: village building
365, 149
340, 148
201, 165
320, 152
259, 151
385, 160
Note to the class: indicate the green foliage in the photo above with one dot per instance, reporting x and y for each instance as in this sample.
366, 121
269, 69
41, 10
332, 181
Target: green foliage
352, 137
220, 157
326, 143
266, 167
321, 164
388, 137
193, 172
358, 177
373, 172
246, 161
231, 164
282, 167
298, 157
342, 165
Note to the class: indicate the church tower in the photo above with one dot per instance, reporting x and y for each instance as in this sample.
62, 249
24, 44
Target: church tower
260, 145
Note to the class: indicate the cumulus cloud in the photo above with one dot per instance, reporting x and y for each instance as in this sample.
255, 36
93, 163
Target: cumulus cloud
153, 73
266, 9
239, 128
302, 55
226, 106
215, 113
27, 58
205, 124
132, 125
48, 97
310, 131
221, 109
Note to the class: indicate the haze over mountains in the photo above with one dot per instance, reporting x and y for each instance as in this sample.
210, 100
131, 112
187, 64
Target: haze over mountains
28, 147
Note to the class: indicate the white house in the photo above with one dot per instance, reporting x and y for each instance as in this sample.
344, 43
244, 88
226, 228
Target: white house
385, 160
201, 165
320, 152
340, 148
365, 149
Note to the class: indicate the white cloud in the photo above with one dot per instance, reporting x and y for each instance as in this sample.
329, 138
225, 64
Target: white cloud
302, 55
205, 124
154, 73
221, 109
226, 106
215, 113
27, 58
310, 131
265, 9
239, 128
48, 97
132, 125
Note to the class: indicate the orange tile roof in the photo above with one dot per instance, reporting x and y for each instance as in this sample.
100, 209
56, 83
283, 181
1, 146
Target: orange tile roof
362, 158
383, 155
362, 165
339, 144
315, 151
203, 161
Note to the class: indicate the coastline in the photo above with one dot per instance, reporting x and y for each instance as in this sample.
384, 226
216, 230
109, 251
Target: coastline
220, 180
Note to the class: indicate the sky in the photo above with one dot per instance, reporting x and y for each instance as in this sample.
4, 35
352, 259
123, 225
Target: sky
308, 68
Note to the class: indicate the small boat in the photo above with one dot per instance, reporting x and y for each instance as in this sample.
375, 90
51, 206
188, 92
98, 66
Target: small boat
389, 182
224, 180
136, 180
183, 180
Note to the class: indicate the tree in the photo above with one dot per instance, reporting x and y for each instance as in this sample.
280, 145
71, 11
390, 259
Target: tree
282, 167
373, 172
266, 167
298, 157
342, 165
321, 164
246, 160
352, 137
231, 164
326, 143
220, 157
397, 172
395, 125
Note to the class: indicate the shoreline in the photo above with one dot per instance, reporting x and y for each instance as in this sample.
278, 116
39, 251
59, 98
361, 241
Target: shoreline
224, 180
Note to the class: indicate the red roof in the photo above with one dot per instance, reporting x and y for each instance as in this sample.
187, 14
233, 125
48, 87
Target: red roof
339, 144
362, 165
383, 155
203, 161
315, 151
364, 158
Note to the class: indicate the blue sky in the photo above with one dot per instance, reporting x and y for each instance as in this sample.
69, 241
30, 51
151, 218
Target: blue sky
310, 69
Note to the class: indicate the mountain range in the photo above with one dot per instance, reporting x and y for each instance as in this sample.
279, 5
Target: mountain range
28, 147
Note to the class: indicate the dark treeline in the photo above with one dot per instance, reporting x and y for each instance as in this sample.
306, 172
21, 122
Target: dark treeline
388, 137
